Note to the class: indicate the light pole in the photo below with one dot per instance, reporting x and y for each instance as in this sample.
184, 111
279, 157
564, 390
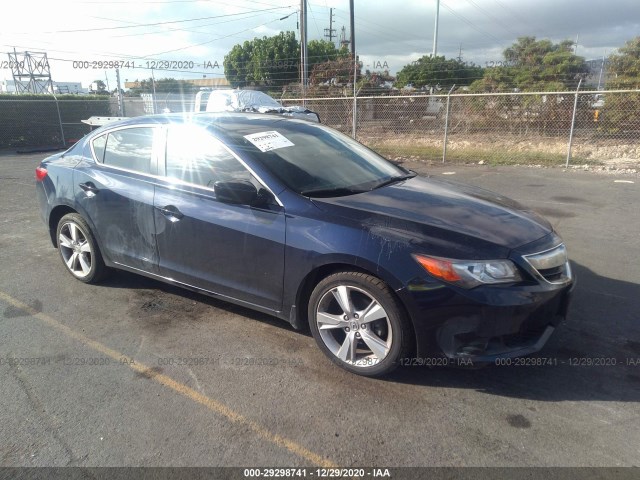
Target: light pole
435, 31
153, 84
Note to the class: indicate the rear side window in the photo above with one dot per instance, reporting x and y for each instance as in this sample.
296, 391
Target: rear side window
130, 148
98, 146
195, 156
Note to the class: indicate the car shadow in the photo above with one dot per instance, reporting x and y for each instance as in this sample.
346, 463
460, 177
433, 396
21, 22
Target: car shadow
142, 285
594, 355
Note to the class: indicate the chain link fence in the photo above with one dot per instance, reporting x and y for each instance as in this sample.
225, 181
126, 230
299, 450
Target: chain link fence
589, 127
550, 128
46, 121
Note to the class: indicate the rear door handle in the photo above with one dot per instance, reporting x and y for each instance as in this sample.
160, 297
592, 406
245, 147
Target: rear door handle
89, 188
171, 212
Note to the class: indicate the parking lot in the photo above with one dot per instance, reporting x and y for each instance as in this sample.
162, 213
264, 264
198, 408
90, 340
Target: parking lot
135, 372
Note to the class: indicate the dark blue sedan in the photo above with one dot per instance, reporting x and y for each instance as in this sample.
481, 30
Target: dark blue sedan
297, 220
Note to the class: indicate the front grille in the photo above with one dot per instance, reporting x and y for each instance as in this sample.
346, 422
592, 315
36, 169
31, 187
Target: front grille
552, 265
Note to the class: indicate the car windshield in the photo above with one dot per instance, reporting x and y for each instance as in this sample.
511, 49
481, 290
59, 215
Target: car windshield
254, 99
311, 159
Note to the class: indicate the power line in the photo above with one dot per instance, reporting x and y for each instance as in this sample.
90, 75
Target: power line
516, 15
165, 23
416, 42
161, 2
219, 38
491, 17
188, 30
314, 20
468, 22
119, 56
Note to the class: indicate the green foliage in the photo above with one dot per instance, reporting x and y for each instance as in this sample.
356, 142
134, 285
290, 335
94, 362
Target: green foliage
620, 111
101, 88
275, 61
624, 67
535, 65
270, 61
320, 51
435, 71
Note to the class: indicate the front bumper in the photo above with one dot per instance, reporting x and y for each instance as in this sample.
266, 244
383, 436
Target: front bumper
487, 323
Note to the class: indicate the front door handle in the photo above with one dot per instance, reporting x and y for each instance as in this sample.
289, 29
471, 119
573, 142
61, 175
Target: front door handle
171, 212
89, 188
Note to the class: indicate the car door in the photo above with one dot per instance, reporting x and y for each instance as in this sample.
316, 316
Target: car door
116, 193
233, 250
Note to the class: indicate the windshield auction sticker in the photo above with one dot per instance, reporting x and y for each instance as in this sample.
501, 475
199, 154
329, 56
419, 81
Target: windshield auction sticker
267, 141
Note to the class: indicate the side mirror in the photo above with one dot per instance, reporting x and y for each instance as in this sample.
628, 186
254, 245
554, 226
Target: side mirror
242, 193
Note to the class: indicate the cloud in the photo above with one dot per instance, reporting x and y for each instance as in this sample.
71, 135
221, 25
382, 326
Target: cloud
479, 30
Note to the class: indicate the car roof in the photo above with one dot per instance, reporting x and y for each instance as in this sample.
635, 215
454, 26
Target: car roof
217, 121
204, 118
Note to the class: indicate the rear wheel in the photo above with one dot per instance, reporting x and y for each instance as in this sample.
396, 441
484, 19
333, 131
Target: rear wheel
78, 249
358, 323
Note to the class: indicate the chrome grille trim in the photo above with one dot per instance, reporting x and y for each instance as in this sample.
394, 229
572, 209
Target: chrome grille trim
553, 259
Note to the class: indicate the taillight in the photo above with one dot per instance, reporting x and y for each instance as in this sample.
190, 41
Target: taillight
41, 172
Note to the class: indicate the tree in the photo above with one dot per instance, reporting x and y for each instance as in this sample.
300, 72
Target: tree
275, 61
270, 61
100, 87
624, 67
320, 51
439, 72
621, 110
535, 65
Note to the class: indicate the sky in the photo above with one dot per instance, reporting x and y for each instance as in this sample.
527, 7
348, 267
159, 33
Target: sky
81, 33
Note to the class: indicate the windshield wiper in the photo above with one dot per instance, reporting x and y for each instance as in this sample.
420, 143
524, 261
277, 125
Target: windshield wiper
396, 179
331, 192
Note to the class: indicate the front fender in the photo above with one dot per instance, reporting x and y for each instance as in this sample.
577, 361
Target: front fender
318, 246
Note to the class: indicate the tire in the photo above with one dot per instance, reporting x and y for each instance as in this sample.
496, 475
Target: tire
79, 250
358, 323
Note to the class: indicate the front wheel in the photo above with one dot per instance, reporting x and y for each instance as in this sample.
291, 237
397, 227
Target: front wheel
358, 323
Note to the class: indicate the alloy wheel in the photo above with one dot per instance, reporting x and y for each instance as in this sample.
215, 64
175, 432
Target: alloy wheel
75, 249
354, 326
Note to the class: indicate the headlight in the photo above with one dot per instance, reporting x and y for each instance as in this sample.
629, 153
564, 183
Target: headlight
469, 274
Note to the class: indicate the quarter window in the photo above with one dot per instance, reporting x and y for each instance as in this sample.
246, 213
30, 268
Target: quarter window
98, 146
130, 148
195, 156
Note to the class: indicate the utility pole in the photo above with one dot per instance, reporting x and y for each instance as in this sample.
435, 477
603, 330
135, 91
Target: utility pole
601, 70
120, 101
153, 84
353, 30
330, 32
435, 30
303, 44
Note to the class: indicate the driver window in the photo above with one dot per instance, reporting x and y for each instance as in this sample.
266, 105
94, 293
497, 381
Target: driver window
195, 156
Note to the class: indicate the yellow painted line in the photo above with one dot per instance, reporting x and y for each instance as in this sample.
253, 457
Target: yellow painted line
210, 403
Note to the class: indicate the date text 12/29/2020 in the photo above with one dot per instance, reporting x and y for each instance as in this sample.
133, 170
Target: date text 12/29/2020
146, 64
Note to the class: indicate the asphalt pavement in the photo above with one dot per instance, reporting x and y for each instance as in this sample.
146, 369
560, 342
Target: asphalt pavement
133, 372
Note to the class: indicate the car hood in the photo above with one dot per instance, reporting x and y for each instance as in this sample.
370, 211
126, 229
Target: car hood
443, 212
